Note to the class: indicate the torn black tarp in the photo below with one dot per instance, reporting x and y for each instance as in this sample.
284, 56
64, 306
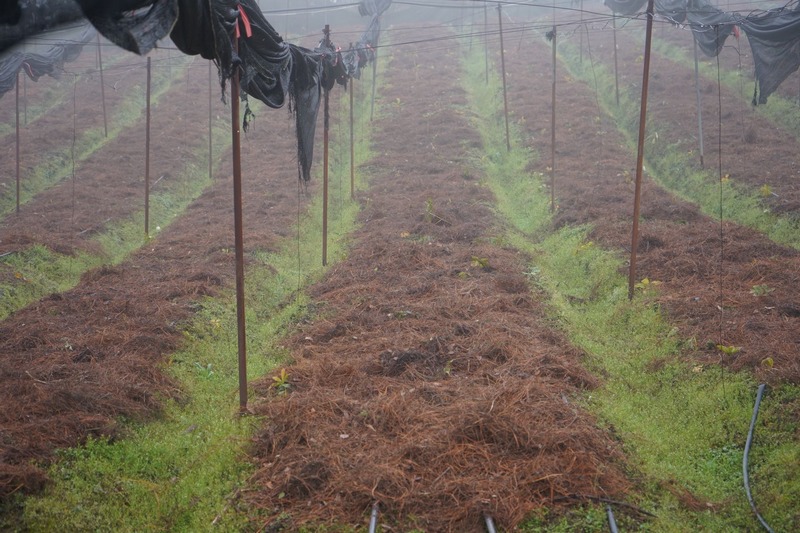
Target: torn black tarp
135, 25
373, 7
271, 69
774, 37
44, 54
710, 26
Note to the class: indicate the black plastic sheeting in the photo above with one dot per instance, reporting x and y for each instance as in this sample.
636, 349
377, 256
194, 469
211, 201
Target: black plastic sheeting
44, 54
135, 25
774, 35
272, 70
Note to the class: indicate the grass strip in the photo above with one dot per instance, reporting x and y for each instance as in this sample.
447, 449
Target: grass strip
670, 165
184, 471
682, 425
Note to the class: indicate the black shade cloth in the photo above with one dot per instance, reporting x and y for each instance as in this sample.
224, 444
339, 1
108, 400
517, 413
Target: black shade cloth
774, 37
44, 54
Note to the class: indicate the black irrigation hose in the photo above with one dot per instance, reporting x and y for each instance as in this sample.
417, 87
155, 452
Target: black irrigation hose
745, 459
612, 523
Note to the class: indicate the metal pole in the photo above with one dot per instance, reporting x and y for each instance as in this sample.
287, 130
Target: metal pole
352, 143
640, 154
239, 235
25, 99
374, 84
373, 518
553, 132
489, 524
612, 522
699, 107
616, 64
503, 67
327, 32
102, 85
210, 108
581, 32
486, 39
147, 157
18, 141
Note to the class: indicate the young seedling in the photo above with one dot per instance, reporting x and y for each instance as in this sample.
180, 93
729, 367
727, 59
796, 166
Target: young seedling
281, 382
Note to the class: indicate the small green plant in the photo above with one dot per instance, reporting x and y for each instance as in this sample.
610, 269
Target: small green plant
480, 262
765, 191
281, 382
728, 350
204, 370
761, 290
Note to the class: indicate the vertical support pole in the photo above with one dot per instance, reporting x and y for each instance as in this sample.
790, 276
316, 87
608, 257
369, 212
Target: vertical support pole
581, 32
503, 67
553, 132
699, 106
147, 156
352, 142
210, 109
239, 234
486, 39
640, 154
25, 99
18, 142
102, 85
286, 31
327, 32
374, 84
616, 63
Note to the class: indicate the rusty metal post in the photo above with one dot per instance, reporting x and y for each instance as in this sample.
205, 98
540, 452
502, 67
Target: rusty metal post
553, 133
503, 67
640, 154
25, 99
147, 155
616, 64
210, 115
102, 85
239, 235
327, 33
18, 142
486, 39
352, 142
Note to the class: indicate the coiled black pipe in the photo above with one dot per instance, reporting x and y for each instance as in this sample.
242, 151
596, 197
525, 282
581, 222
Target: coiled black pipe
747, 453
612, 523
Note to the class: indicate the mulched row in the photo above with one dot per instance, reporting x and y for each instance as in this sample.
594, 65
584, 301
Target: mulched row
429, 379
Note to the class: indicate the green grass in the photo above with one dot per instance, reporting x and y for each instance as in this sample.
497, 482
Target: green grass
680, 424
184, 471
57, 166
671, 165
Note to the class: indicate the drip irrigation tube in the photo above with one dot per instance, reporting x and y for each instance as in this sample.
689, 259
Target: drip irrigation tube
489, 524
373, 519
747, 453
612, 523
